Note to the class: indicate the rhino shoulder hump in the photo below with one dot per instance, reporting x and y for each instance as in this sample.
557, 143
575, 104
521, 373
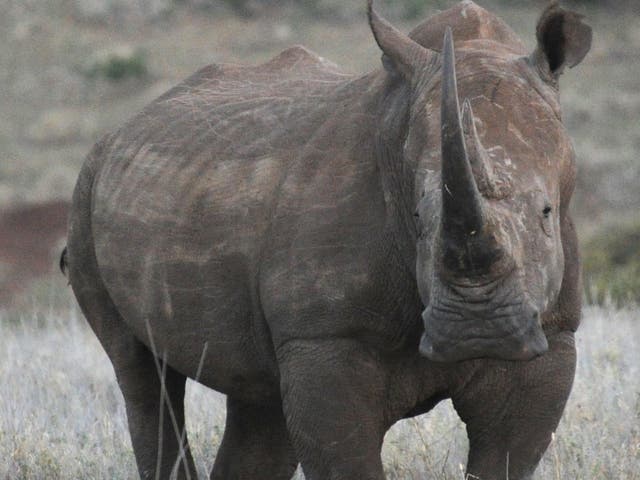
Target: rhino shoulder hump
300, 58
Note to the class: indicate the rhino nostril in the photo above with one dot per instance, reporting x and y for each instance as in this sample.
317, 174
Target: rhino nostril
534, 313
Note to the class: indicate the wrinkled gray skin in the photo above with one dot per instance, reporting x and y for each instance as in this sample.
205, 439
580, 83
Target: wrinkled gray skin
254, 228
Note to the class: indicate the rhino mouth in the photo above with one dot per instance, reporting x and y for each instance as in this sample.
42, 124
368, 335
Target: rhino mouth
462, 329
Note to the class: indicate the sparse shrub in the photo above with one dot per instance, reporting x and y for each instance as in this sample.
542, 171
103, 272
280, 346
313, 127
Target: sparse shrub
119, 12
411, 8
335, 9
118, 64
612, 265
242, 7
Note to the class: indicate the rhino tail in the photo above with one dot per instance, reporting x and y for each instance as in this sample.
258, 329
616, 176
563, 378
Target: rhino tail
64, 263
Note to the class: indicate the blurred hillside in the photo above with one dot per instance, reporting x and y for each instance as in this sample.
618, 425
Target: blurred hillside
72, 70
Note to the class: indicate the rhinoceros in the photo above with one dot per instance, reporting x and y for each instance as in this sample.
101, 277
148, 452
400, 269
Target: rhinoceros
337, 252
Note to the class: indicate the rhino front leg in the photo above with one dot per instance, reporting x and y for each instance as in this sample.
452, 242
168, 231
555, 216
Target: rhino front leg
255, 444
332, 393
512, 409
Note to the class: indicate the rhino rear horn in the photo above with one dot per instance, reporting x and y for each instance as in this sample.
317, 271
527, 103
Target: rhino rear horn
401, 54
462, 204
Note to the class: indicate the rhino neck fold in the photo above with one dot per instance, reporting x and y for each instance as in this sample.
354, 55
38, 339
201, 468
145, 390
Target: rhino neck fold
391, 109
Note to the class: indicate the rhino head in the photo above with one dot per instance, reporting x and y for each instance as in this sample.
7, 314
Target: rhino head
497, 170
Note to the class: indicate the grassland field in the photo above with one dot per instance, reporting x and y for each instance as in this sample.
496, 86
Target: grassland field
62, 415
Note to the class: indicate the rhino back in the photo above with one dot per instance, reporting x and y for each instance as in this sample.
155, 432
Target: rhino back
228, 171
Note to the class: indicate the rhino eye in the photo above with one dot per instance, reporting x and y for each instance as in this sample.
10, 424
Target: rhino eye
547, 211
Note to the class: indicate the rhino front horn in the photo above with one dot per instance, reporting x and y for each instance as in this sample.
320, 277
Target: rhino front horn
462, 213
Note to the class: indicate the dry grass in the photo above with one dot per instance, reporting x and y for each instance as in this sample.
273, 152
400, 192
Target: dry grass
62, 415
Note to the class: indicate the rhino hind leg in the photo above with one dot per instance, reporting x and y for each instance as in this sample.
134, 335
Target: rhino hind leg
156, 417
155, 410
255, 444
156, 444
510, 429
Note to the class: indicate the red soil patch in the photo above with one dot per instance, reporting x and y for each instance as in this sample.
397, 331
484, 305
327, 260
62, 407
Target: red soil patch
29, 237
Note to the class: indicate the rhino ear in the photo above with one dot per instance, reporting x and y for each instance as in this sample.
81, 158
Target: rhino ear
563, 40
401, 55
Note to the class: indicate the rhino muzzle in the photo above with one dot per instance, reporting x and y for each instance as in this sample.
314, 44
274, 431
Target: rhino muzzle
495, 320
453, 338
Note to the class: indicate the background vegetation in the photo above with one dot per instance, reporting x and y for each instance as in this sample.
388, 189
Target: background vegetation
612, 264
73, 70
